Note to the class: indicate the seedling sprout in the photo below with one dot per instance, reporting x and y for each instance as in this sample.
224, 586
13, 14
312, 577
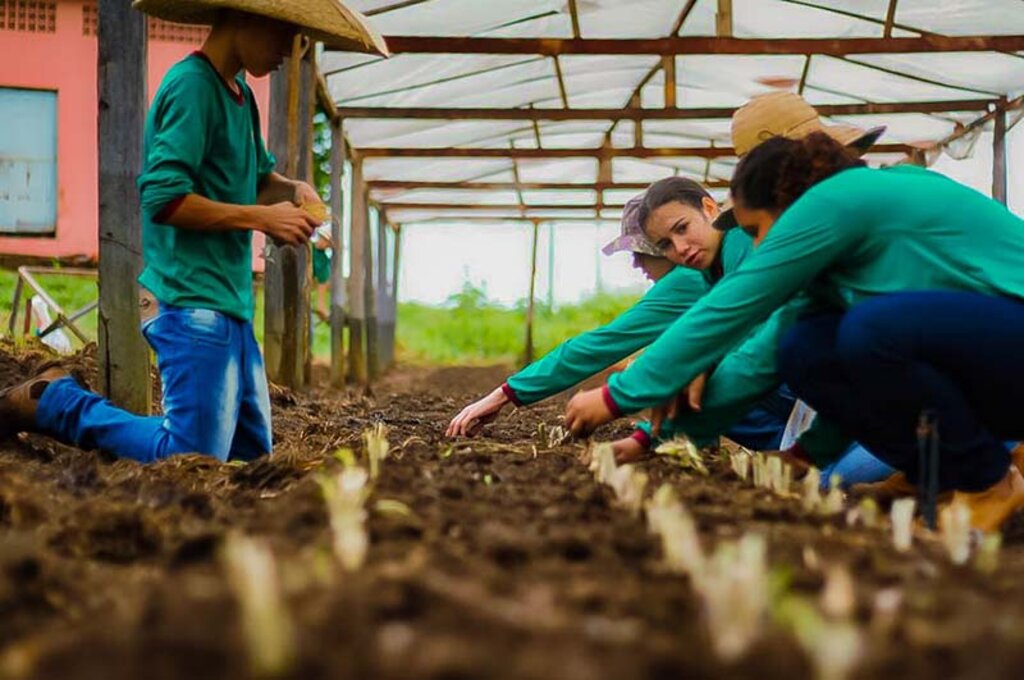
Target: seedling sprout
902, 516
955, 523
345, 496
740, 462
735, 592
986, 559
375, 440
683, 450
266, 623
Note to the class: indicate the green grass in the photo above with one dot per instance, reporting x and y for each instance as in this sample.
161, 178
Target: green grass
469, 329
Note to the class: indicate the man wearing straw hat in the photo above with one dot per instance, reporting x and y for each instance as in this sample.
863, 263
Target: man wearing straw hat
207, 184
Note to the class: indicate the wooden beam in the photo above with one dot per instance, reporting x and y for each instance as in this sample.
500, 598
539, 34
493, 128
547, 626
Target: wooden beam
499, 219
890, 19
400, 44
803, 76
536, 132
536, 114
575, 16
391, 185
392, 7
638, 125
560, 77
999, 184
337, 269
121, 90
532, 299
324, 98
481, 207
723, 19
659, 152
668, 66
358, 247
681, 19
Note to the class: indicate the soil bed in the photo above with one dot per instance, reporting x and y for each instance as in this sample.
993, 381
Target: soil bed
513, 562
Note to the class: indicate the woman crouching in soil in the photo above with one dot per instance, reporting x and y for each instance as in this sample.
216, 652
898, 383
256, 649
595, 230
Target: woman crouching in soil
753, 417
924, 279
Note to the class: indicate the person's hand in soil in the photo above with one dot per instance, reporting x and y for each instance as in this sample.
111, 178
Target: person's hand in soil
628, 450
587, 411
476, 415
690, 398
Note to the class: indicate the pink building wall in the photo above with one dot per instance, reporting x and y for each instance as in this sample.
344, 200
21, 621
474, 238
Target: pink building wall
65, 61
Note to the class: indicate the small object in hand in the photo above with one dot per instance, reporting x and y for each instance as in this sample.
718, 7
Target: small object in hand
317, 210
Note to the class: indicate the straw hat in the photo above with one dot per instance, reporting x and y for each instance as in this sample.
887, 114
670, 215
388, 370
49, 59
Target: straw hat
632, 237
325, 20
786, 114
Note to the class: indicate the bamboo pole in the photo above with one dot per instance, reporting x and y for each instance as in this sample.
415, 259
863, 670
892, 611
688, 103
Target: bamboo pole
337, 269
123, 353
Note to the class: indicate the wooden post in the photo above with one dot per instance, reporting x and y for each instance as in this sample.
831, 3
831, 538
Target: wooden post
528, 353
124, 354
396, 263
286, 273
370, 305
357, 277
385, 322
999, 185
273, 286
337, 268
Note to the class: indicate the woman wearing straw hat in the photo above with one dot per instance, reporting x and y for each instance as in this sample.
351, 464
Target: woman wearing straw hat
207, 184
928, 276
675, 290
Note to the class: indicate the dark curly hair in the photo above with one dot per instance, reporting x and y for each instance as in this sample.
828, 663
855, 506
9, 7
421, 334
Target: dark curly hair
778, 171
669, 190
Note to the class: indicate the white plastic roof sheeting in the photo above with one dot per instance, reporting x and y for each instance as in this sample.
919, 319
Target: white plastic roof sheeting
519, 81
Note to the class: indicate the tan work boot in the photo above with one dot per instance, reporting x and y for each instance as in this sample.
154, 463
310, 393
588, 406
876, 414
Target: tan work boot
1017, 456
18, 403
889, 489
993, 506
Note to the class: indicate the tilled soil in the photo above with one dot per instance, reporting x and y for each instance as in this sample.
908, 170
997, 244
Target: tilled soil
513, 562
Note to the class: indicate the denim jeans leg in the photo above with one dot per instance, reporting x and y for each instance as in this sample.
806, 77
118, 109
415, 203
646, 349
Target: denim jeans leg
199, 354
253, 434
856, 466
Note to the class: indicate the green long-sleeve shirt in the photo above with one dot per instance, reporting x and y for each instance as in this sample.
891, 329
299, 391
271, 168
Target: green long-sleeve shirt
861, 233
584, 355
590, 353
201, 138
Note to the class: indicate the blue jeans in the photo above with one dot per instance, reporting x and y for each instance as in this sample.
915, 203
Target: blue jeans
874, 369
215, 395
856, 466
762, 427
